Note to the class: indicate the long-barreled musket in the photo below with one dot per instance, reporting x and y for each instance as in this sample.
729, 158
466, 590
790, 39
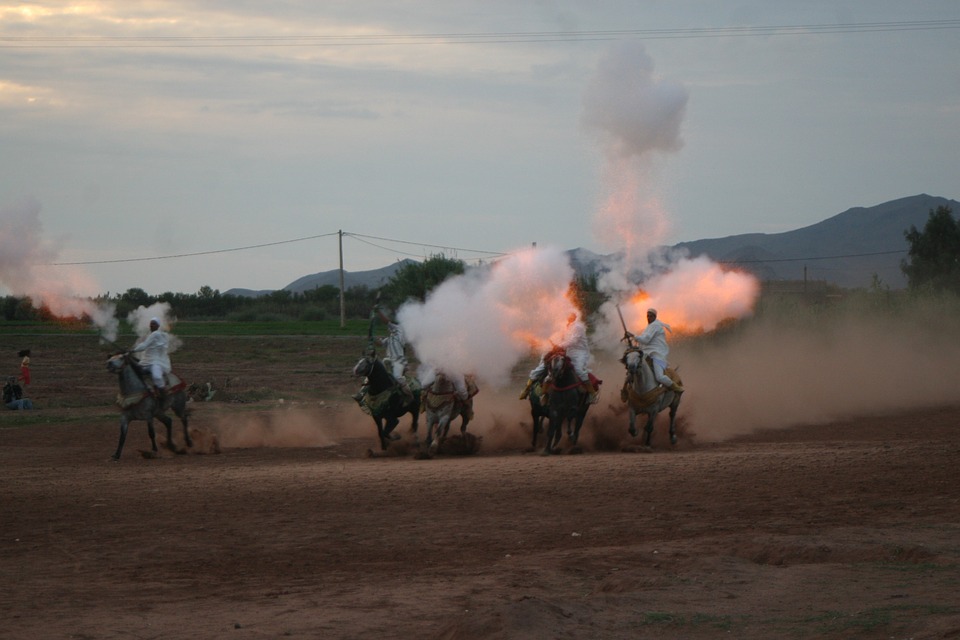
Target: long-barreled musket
627, 336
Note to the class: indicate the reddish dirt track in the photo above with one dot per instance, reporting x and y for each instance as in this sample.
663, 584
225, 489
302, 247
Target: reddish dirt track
843, 530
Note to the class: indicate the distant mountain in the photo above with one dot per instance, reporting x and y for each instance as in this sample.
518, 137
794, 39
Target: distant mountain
371, 279
847, 250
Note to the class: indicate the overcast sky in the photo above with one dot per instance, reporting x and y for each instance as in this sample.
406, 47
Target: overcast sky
133, 130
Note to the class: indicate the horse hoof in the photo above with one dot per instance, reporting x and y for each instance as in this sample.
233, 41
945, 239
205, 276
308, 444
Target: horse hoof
633, 433
673, 439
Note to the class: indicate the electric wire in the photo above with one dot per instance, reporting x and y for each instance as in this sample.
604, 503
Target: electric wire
329, 40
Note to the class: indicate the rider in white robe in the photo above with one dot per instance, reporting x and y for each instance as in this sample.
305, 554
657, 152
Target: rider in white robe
653, 341
155, 358
574, 341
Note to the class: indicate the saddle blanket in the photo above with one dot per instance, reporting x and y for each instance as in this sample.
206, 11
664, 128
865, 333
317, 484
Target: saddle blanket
174, 384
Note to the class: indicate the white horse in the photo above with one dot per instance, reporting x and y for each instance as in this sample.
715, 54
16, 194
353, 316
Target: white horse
442, 405
644, 395
137, 402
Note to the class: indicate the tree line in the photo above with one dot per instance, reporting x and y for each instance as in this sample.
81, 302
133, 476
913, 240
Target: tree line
932, 265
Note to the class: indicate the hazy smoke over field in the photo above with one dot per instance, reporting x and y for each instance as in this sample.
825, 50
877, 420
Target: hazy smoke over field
25, 270
813, 369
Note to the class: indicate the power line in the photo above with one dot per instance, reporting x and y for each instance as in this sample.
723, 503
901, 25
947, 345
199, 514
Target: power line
421, 244
189, 255
106, 42
271, 244
366, 239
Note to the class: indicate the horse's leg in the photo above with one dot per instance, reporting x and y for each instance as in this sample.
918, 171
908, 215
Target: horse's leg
380, 433
390, 423
633, 422
153, 435
168, 423
673, 422
181, 410
648, 430
124, 425
553, 427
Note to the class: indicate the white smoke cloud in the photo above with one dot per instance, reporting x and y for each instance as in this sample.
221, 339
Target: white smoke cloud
634, 110
488, 319
638, 117
26, 269
140, 318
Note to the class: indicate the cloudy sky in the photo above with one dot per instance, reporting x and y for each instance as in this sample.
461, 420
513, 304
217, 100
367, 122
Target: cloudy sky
172, 145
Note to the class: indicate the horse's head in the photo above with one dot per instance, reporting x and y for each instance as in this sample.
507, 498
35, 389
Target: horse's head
364, 366
116, 362
633, 359
556, 360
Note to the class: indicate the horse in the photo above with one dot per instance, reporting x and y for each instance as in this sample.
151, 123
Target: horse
137, 402
644, 395
441, 406
567, 401
385, 399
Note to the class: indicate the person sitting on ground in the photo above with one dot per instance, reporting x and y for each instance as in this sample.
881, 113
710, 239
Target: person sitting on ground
155, 358
13, 395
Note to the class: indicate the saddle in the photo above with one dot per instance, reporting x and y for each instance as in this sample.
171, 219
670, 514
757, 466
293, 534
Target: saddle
174, 384
641, 400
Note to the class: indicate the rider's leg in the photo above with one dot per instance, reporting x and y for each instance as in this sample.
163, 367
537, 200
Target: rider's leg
664, 379
535, 375
156, 372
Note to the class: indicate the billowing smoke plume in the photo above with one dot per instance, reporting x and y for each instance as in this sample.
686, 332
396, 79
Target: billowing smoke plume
486, 320
638, 116
25, 270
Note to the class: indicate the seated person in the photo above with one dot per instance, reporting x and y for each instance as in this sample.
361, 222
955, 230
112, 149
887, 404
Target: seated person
13, 395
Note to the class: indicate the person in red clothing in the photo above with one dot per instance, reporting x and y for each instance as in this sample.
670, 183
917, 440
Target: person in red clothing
25, 366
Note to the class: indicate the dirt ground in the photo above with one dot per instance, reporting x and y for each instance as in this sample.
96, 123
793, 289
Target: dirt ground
847, 529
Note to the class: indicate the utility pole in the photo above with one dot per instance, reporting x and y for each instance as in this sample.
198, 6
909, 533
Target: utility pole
343, 308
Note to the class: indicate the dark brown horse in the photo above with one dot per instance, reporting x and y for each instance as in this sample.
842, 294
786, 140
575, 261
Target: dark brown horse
385, 400
567, 400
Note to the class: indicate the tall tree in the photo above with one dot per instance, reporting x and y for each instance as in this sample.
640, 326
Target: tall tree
415, 280
934, 255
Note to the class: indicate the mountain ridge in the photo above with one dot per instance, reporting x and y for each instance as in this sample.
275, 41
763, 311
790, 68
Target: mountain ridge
849, 249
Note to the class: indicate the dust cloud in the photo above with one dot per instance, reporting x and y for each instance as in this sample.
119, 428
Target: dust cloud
776, 373
291, 426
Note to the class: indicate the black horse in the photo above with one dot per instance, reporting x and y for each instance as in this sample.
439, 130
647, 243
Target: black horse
385, 399
137, 402
567, 400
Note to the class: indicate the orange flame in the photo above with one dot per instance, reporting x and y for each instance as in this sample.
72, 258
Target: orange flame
694, 297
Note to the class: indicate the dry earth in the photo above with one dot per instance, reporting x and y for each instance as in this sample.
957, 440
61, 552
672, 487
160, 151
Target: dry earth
843, 530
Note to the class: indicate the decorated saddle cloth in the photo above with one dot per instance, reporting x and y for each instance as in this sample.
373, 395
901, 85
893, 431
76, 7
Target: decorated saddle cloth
379, 404
641, 400
174, 384
433, 401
